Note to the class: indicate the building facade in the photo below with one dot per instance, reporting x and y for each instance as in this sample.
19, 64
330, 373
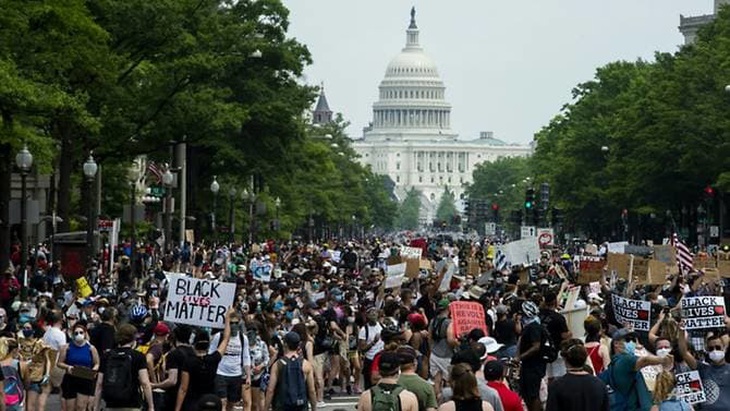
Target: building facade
689, 26
410, 137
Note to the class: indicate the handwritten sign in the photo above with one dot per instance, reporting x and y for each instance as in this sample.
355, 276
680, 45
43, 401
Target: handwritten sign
412, 258
591, 269
396, 273
521, 252
450, 270
467, 316
618, 247
318, 296
703, 312
632, 312
689, 387
198, 302
261, 271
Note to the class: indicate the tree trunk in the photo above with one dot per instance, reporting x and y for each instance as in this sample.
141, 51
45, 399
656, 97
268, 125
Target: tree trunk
6, 162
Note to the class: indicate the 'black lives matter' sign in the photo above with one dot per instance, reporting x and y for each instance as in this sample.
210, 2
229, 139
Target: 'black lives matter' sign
632, 312
703, 312
689, 387
198, 302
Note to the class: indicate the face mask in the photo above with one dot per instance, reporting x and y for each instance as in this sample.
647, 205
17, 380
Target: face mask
257, 296
315, 286
79, 338
351, 320
630, 347
27, 333
101, 310
289, 315
24, 318
717, 356
663, 352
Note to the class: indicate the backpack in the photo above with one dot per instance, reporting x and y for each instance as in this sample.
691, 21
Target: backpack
13, 384
619, 401
548, 350
118, 384
438, 323
385, 397
292, 384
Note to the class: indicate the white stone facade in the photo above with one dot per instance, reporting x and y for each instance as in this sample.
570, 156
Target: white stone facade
410, 138
689, 26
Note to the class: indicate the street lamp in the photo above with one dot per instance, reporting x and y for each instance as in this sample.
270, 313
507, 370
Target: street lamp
90, 169
134, 175
167, 179
214, 188
232, 214
250, 198
24, 162
277, 204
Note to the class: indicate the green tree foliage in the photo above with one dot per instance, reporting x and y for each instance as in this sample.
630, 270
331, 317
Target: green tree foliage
502, 181
447, 206
646, 137
409, 210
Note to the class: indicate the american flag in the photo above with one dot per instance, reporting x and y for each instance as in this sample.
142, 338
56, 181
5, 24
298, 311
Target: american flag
684, 257
155, 170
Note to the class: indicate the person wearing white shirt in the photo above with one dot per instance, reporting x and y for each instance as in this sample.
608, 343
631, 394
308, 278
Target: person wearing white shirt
56, 339
234, 370
370, 342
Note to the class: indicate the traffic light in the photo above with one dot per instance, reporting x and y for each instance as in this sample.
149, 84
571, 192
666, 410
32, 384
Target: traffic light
709, 192
495, 212
529, 198
545, 196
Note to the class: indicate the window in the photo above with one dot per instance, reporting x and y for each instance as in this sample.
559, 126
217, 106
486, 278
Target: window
432, 179
397, 166
420, 179
397, 179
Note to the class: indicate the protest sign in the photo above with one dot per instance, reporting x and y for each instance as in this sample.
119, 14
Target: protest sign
703, 312
665, 254
689, 387
198, 302
595, 287
318, 296
261, 271
620, 264
591, 269
396, 273
336, 256
723, 267
617, 248
412, 258
657, 273
450, 271
425, 264
640, 270
632, 312
466, 316
650, 373
521, 252
639, 250
83, 287
472, 267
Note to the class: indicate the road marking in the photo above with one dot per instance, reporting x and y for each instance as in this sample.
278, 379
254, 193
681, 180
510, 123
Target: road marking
340, 404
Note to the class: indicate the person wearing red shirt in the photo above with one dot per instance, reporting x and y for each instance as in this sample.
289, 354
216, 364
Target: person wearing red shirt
494, 374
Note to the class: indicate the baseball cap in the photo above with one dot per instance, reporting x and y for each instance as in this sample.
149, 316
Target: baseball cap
416, 318
389, 363
621, 334
490, 344
444, 303
291, 339
161, 329
493, 370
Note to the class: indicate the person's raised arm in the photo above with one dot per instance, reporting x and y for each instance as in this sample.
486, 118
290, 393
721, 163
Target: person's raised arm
182, 391
642, 362
683, 349
654, 332
226, 332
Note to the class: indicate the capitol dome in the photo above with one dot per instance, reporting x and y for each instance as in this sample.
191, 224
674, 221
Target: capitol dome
412, 96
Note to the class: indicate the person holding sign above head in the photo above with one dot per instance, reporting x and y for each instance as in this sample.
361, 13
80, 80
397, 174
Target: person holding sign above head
199, 371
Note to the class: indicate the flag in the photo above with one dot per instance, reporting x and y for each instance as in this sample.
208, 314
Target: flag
500, 261
155, 170
684, 256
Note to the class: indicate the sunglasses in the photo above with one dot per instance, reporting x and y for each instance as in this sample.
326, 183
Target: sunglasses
715, 348
630, 339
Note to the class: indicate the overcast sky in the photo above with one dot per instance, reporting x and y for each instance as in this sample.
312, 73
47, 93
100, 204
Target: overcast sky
508, 65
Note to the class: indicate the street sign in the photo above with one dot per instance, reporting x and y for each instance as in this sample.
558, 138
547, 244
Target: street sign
105, 225
545, 237
157, 191
490, 229
527, 231
714, 231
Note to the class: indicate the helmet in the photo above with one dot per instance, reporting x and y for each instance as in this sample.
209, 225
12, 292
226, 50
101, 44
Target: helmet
391, 329
529, 309
138, 313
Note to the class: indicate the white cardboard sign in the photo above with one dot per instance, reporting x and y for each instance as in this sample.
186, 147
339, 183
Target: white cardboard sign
198, 302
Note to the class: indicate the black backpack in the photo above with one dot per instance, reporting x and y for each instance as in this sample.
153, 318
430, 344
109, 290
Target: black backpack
292, 384
119, 384
548, 349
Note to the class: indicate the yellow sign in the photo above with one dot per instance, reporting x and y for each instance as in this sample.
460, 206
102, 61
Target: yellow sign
83, 286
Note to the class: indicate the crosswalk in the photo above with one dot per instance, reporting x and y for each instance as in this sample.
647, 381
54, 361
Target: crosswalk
347, 402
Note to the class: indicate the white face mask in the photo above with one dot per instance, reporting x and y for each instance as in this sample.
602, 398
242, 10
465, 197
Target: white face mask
79, 338
663, 352
717, 356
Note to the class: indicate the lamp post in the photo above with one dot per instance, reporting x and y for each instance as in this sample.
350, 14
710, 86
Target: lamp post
214, 188
249, 197
90, 169
24, 161
232, 214
167, 179
277, 204
133, 180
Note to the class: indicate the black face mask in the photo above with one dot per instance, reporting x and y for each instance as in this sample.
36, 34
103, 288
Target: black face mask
202, 345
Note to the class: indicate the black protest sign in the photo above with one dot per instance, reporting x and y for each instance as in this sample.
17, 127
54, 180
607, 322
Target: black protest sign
632, 312
689, 387
703, 312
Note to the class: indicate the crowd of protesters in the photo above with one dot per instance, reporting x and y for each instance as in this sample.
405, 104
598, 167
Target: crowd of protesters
321, 324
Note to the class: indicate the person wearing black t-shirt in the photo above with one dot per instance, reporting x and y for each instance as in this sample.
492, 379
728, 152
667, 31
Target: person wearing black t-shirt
174, 362
198, 377
140, 377
532, 369
577, 390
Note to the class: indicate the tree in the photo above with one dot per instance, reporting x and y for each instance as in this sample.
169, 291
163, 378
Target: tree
447, 206
502, 181
409, 210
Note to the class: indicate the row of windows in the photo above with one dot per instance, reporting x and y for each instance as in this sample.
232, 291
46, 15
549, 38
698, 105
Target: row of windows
412, 70
411, 94
433, 180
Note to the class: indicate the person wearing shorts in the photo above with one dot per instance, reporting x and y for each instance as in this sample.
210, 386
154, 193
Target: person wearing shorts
235, 366
78, 389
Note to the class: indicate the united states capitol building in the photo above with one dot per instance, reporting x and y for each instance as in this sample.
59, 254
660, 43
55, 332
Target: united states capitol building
690, 25
410, 137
